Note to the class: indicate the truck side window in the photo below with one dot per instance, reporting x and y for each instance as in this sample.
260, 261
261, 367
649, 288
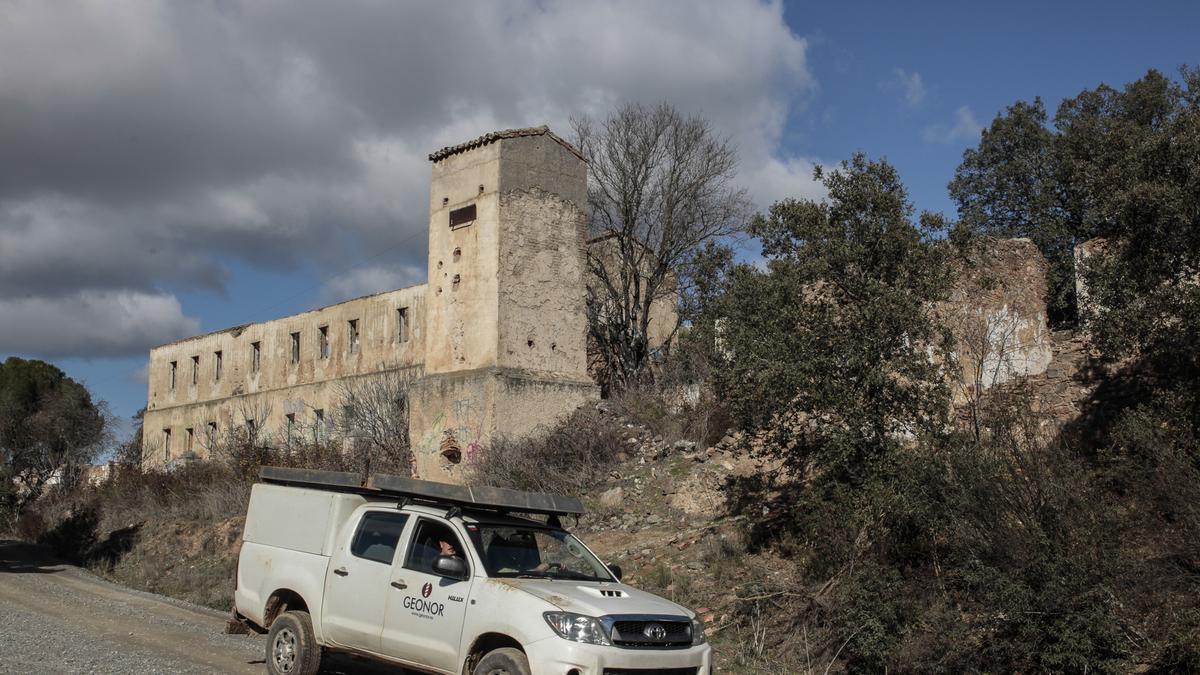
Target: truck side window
377, 536
427, 545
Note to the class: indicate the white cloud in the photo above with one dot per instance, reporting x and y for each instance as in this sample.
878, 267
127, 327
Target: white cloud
141, 374
279, 133
779, 179
368, 280
910, 85
92, 323
965, 128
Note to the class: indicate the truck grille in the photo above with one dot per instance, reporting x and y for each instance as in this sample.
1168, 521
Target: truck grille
644, 634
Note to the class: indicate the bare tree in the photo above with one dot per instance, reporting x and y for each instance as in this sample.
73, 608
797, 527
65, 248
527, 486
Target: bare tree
988, 343
374, 419
660, 185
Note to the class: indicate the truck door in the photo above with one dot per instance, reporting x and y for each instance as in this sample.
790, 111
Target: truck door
425, 611
356, 585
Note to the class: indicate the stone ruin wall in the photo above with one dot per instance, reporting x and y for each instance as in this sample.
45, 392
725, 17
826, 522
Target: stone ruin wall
997, 313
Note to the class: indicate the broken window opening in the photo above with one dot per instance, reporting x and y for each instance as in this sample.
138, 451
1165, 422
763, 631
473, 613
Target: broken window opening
255, 356
461, 217
166, 445
402, 326
212, 435
323, 341
291, 426
195, 370
352, 333
295, 348
190, 441
319, 427
217, 366
174, 369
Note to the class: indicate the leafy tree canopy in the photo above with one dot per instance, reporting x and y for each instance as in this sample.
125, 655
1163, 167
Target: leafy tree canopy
48, 424
835, 330
1117, 163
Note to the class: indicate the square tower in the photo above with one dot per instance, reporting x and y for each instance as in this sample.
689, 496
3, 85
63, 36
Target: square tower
507, 265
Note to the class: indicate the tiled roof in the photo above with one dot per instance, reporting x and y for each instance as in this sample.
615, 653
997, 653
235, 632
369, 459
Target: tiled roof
500, 135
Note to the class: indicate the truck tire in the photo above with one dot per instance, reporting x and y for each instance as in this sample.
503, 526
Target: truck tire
505, 661
292, 647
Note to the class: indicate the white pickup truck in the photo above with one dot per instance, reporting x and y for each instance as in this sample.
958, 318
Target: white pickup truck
444, 579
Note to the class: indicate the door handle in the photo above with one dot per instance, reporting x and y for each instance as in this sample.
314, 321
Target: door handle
399, 584
341, 572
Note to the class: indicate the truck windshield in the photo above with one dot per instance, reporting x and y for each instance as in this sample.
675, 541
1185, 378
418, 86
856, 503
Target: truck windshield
525, 552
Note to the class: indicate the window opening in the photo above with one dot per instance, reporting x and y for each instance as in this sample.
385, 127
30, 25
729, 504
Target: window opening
166, 445
195, 370
461, 217
295, 347
174, 369
319, 427
352, 333
217, 365
323, 341
291, 426
402, 324
377, 536
255, 356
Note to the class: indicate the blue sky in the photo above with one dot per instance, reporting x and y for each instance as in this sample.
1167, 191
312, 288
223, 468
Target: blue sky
169, 168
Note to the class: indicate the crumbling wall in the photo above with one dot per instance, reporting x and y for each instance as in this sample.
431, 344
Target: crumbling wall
997, 314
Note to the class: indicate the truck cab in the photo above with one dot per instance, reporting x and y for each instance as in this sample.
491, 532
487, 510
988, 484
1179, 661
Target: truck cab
444, 579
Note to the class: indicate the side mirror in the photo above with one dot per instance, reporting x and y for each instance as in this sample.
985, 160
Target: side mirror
616, 571
450, 566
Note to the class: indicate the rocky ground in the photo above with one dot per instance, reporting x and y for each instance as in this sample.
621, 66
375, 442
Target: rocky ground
662, 517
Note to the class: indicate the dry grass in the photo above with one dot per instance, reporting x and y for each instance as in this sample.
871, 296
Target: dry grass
173, 532
567, 459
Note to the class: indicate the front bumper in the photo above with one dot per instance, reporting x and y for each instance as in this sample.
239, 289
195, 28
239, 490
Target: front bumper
556, 656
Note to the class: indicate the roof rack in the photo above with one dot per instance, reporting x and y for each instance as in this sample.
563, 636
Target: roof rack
475, 497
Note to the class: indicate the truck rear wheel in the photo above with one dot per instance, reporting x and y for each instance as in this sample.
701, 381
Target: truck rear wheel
292, 647
506, 661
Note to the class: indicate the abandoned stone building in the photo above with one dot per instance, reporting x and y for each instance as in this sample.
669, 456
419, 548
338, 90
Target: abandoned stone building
494, 343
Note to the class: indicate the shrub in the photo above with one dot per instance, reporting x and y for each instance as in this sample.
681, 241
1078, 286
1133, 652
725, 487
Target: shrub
567, 458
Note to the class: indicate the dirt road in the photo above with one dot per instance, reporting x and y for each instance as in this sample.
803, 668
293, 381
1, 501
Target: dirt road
56, 618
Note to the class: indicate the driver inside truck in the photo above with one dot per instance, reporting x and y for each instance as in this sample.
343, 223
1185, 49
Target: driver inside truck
432, 541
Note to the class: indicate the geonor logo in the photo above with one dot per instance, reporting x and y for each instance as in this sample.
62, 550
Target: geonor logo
426, 589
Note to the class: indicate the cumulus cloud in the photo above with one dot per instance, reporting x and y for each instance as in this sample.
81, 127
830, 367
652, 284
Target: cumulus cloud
910, 85
280, 133
92, 323
965, 128
368, 280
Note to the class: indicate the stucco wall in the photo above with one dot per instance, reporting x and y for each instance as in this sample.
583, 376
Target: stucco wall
461, 315
542, 270
278, 378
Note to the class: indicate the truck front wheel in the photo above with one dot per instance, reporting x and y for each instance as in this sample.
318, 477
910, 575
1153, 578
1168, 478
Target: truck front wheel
292, 647
506, 661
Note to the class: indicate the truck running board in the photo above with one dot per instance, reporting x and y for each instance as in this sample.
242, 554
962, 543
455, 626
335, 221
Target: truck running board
385, 485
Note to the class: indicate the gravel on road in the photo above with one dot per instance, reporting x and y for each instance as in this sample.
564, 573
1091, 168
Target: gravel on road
57, 618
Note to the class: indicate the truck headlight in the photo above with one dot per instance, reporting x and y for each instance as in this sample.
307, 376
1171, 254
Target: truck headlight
577, 628
698, 631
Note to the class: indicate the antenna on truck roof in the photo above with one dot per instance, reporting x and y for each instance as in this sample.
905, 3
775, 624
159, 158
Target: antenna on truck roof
474, 497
